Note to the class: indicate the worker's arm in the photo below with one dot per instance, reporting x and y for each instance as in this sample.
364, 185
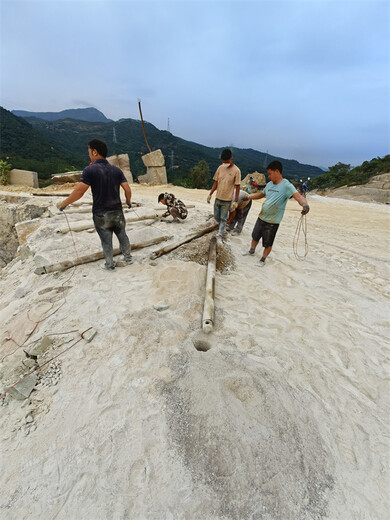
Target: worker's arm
237, 186
76, 194
254, 196
215, 185
126, 188
303, 202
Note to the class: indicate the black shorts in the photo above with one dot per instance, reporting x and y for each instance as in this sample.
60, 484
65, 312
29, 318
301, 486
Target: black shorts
264, 230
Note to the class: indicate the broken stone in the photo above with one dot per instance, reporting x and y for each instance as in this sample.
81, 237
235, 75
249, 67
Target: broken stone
29, 419
89, 334
23, 389
29, 363
161, 306
40, 346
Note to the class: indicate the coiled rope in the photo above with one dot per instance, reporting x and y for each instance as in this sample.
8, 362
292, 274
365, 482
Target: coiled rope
301, 229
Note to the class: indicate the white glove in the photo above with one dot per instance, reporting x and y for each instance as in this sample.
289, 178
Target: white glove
208, 199
233, 206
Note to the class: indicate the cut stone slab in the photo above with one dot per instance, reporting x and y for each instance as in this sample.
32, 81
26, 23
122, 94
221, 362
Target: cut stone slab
23, 178
22, 390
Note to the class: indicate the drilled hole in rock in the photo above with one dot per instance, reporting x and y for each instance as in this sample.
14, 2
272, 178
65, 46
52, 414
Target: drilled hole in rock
201, 345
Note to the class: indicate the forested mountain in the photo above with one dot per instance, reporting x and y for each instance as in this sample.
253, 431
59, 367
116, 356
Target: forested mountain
84, 114
24, 147
69, 138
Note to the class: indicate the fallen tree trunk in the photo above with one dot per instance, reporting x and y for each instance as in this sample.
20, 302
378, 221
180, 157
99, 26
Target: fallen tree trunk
82, 226
67, 264
209, 303
184, 240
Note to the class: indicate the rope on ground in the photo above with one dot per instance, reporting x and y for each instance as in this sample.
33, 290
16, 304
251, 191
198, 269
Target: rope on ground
301, 228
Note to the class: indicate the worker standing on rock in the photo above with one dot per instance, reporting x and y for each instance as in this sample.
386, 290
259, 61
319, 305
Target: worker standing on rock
277, 193
105, 181
227, 181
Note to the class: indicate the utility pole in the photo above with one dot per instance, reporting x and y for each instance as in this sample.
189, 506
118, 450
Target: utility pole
168, 126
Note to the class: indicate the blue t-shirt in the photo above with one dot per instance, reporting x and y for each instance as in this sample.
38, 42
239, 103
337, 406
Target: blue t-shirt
105, 180
276, 199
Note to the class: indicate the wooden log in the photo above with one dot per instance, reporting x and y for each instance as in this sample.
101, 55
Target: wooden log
162, 207
188, 238
58, 194
82, 226
209, 300
67, 264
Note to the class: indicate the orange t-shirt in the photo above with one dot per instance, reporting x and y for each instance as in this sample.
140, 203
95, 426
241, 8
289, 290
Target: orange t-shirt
227, 178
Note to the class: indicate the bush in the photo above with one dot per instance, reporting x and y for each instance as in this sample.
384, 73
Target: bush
5, 168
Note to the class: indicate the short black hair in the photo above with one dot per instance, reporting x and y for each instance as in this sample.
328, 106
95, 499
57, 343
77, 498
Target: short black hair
99, 146
275, 165
161, 197
226, 154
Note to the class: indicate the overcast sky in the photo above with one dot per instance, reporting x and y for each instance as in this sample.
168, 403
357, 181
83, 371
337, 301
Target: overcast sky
305, 80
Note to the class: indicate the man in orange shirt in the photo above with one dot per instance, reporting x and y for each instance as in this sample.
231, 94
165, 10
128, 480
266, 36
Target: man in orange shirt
227, 181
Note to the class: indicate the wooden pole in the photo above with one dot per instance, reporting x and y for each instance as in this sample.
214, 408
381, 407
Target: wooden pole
209, 300
82, 226
188, 238
67, 264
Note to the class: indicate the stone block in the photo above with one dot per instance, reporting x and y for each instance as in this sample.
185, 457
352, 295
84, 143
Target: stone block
23, 229
155, 158
62, 178
154, 174
122, 161
23, 178
23, 389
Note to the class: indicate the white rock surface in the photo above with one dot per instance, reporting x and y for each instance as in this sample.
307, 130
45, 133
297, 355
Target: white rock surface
280, 413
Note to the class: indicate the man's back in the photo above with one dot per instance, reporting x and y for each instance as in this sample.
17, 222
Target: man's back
105, 180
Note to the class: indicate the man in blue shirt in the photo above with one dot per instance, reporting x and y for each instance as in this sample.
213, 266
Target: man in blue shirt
277, 192
105, 181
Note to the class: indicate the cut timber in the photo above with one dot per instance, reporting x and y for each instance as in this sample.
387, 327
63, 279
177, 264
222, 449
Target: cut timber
209, 305
82, 226
162, 206
184, 240
57, 194
67, 264
77, 209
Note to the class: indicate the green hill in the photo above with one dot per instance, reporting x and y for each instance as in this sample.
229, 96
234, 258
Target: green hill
24, 147
84, 114
343, 175
68, 139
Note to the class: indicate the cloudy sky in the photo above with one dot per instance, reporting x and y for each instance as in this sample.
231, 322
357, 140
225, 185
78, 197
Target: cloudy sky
305, 80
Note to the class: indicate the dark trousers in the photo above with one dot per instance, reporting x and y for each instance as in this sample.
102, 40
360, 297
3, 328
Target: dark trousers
240, 218
107, 223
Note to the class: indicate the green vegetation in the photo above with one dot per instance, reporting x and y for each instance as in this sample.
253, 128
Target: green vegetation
343, 175
28, 150
5, 168
199, 175
49, 147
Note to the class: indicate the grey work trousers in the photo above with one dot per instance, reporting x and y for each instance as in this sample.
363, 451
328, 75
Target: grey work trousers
107, 223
